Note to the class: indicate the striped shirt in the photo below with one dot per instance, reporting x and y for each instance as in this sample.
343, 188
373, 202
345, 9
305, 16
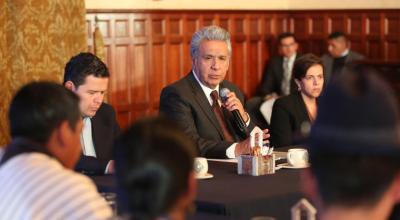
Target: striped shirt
36, 186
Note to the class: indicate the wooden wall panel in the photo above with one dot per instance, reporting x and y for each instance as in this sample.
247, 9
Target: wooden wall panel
146, 50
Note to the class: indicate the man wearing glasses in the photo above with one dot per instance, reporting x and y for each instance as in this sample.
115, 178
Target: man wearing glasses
276, 80
277, 77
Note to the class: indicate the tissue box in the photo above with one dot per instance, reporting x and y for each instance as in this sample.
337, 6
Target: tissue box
256, 165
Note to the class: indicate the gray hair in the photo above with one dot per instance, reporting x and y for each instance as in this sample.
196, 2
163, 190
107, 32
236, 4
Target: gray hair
209, 33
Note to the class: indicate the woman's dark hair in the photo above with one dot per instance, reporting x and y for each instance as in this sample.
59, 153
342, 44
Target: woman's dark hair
153, 160
83, 65
40, 107
303, 63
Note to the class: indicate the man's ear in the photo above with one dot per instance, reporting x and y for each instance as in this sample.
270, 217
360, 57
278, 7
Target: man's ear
396, 184
309, 184
62, 133
58, 140
185, 201
192, 185
70, 85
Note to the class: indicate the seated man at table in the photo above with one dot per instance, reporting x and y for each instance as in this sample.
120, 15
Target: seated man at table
36, 177
87, 76
219, 129
154, 169
354, 150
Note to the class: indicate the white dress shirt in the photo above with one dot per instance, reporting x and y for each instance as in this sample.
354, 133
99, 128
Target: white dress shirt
87, 138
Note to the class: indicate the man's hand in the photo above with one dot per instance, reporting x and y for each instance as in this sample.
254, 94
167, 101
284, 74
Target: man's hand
244, 146
233, 103
110, 167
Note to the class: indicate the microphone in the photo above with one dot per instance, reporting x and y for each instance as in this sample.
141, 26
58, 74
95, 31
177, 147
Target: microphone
236, 114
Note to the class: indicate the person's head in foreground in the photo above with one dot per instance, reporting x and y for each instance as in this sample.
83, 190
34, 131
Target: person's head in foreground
337, 44
48, 115
86, 75
354, 149
308, 74
154, 170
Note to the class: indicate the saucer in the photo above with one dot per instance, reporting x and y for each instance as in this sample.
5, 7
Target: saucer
205, 176
286, 165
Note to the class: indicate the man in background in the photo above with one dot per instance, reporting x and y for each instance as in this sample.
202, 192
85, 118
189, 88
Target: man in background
194, 101
354, 150
37, 181
339, 55
277, 79
88, 77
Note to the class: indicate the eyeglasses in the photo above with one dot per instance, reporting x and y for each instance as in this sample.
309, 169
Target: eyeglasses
288, 45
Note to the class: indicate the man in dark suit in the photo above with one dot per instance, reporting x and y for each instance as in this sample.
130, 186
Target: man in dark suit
339, 55
277, 76
87, 76
277, 80
190, 101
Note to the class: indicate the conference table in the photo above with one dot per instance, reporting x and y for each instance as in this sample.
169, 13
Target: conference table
231, 196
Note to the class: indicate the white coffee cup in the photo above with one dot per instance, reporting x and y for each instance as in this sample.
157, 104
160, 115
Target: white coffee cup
297, 157
200, 166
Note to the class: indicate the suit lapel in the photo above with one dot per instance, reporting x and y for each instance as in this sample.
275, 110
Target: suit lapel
328, 69
301, 106
279, 76
202, 101
97, 132
349, 57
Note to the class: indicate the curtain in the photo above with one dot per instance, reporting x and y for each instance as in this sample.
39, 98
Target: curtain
37, 38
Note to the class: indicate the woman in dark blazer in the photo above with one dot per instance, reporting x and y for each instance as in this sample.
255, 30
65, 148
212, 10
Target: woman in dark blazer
292, 115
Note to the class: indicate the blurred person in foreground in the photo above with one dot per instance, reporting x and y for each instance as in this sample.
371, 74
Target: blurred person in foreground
154, 171
88, 77
194, 101
37, 181
354, 149
293, 115
339, 55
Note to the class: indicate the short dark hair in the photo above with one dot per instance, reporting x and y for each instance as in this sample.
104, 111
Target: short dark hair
286, 35
153, 160
40, 107
336, 35
83, 65
303, 63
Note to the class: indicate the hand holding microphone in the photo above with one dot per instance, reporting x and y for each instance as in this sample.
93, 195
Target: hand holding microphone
233, 104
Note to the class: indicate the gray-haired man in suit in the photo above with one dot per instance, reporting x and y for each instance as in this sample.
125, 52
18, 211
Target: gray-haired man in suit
190, 101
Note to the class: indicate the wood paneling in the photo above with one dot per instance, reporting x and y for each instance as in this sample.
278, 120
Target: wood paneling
146, 50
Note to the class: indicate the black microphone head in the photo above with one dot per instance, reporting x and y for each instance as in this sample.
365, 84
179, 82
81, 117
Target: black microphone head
224, 94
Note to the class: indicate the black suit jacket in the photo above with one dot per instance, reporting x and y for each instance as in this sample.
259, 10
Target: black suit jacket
104, 131
289, 113
327, 61
272, 77
185, 102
